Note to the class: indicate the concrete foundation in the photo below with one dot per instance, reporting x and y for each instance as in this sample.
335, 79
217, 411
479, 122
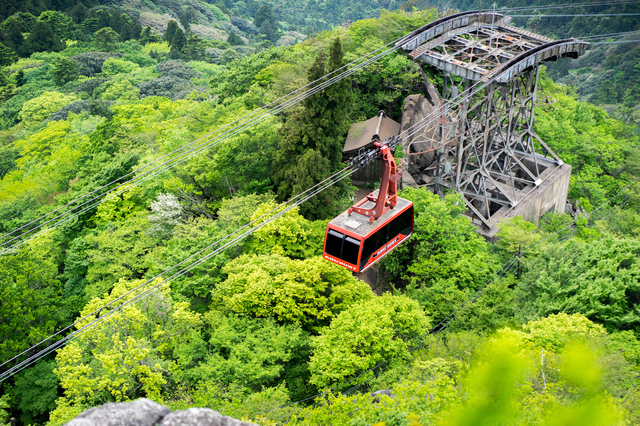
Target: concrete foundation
550, 195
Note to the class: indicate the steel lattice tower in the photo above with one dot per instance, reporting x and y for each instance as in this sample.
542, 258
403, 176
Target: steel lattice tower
485, 145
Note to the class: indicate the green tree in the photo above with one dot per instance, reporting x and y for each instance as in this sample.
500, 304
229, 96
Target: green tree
148, 36
119, 251
268, 31
170, 32
178, 43
126, 356
364, 335
599, 279
7, 56
234, 39
265, 14
445, 261
60, 23
39, 108
106, 39
247, 352
516, 233
307, 292
30, 291
64, 70
35, 392
312, 140
43, 39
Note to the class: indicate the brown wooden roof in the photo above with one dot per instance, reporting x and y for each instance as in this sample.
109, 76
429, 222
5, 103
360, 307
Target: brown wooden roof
366, 132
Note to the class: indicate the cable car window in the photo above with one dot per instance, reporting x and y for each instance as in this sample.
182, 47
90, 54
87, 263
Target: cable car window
401, 224
334, 243
350, 250
373, 243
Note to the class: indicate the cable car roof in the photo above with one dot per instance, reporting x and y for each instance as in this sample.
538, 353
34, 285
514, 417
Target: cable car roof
360, 225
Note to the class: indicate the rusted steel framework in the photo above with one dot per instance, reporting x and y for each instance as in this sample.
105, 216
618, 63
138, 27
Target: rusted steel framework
486, 147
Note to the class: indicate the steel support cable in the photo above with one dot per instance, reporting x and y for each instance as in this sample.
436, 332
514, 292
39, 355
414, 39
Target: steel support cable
265, 110
84, 329
196, 150
267, 114
295, 201
604, 15
498, 275
617, 42
571, 5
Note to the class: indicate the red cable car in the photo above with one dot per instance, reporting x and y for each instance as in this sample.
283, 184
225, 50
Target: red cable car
374, 226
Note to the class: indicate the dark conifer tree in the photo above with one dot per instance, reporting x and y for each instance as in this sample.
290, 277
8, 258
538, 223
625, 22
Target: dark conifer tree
234, 40
172, 27
147, 36
43, 39
312, 139
178, 43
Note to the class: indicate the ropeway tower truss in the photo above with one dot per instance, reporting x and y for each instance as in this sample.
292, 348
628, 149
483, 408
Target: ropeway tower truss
486, 148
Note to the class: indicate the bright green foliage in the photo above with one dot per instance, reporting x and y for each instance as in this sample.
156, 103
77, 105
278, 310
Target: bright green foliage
238, 76
30, 291
114, 66
364, 335
121, 91
516, 233
189, 238
4, 415
37, 109
105, 39
555, 331
600, 280
64, 70
118, 252
601, 151
7, 56
417, 399
290, 235
307, 292
247, 352
60, 23
123, 357
445, 260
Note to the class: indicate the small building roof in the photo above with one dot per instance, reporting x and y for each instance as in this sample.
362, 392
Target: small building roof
367, 132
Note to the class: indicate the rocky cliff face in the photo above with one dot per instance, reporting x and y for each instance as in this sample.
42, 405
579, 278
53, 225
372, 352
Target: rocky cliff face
416, 108
144, 412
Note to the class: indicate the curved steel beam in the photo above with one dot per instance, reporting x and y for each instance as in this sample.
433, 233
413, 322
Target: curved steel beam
551, 51
435, 28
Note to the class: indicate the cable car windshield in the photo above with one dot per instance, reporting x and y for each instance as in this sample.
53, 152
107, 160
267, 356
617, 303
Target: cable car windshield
342, 247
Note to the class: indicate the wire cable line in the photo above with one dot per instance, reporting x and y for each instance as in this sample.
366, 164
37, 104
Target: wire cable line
277, 106
221, 246
251, 120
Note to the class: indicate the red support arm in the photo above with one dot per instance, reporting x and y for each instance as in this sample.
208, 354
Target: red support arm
387, 195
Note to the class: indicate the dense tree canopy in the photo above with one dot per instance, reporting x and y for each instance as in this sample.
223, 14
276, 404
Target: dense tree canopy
249, 322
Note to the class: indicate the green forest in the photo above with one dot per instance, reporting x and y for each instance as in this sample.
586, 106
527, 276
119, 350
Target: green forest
266, 330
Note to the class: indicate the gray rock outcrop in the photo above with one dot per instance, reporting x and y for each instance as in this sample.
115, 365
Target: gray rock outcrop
144, 412
415, 109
